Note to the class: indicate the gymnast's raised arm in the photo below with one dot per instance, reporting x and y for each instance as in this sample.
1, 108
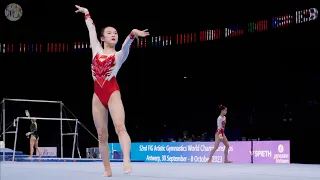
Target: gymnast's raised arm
95, 44
135, 33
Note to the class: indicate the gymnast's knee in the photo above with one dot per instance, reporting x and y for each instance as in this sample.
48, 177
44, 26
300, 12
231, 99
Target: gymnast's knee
226, 146
215, 148
120, 129
102, 136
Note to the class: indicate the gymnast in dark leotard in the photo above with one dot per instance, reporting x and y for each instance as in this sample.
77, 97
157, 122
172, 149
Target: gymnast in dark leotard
34, 137
106, 62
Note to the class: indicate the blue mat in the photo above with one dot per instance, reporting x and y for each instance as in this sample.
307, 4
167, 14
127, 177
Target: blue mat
8, 155
11, 153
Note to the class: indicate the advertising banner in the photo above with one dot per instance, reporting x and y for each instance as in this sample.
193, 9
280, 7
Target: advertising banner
271, 152
48, 151
189, 152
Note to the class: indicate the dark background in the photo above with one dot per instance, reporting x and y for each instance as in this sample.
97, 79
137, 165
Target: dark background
255, 75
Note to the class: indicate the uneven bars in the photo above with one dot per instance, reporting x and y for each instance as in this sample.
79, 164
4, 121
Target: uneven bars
40, 118
28, 100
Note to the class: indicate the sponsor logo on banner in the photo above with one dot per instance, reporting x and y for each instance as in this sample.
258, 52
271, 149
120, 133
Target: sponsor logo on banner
282, 156
48, 151
271, 152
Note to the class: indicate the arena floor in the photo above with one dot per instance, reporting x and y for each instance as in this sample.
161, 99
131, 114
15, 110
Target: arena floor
159, 171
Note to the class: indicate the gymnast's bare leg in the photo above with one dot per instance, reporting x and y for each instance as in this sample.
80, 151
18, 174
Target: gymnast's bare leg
226, 150
118, 116
36, 145
100, 117
32, 142
216, 146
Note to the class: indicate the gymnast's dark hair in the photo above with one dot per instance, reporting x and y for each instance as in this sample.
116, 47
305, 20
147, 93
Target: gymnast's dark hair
102, 31
222, 107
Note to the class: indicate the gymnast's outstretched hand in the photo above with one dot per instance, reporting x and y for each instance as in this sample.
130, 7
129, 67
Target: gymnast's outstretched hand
81, 9
139, 33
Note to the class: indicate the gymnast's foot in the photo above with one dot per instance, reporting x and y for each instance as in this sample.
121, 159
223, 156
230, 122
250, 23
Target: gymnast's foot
127, 167
107, 173
227, 161
107, 169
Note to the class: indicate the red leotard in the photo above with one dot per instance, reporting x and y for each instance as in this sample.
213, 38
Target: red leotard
105, 67
221, 123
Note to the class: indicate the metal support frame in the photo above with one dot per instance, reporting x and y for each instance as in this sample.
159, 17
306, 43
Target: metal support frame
3, 127
48, 119
61, 132
39, 101
74, 138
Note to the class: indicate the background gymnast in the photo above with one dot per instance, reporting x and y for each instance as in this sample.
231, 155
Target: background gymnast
106, 63
33, 135
220, 136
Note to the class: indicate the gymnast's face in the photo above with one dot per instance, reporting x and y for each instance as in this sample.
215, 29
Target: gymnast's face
110, 36
224, 111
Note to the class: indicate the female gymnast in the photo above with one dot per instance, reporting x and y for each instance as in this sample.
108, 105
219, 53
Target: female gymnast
106, 63
34, 138
220, 136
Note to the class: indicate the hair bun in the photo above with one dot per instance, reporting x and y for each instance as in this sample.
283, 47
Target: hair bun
220, 105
